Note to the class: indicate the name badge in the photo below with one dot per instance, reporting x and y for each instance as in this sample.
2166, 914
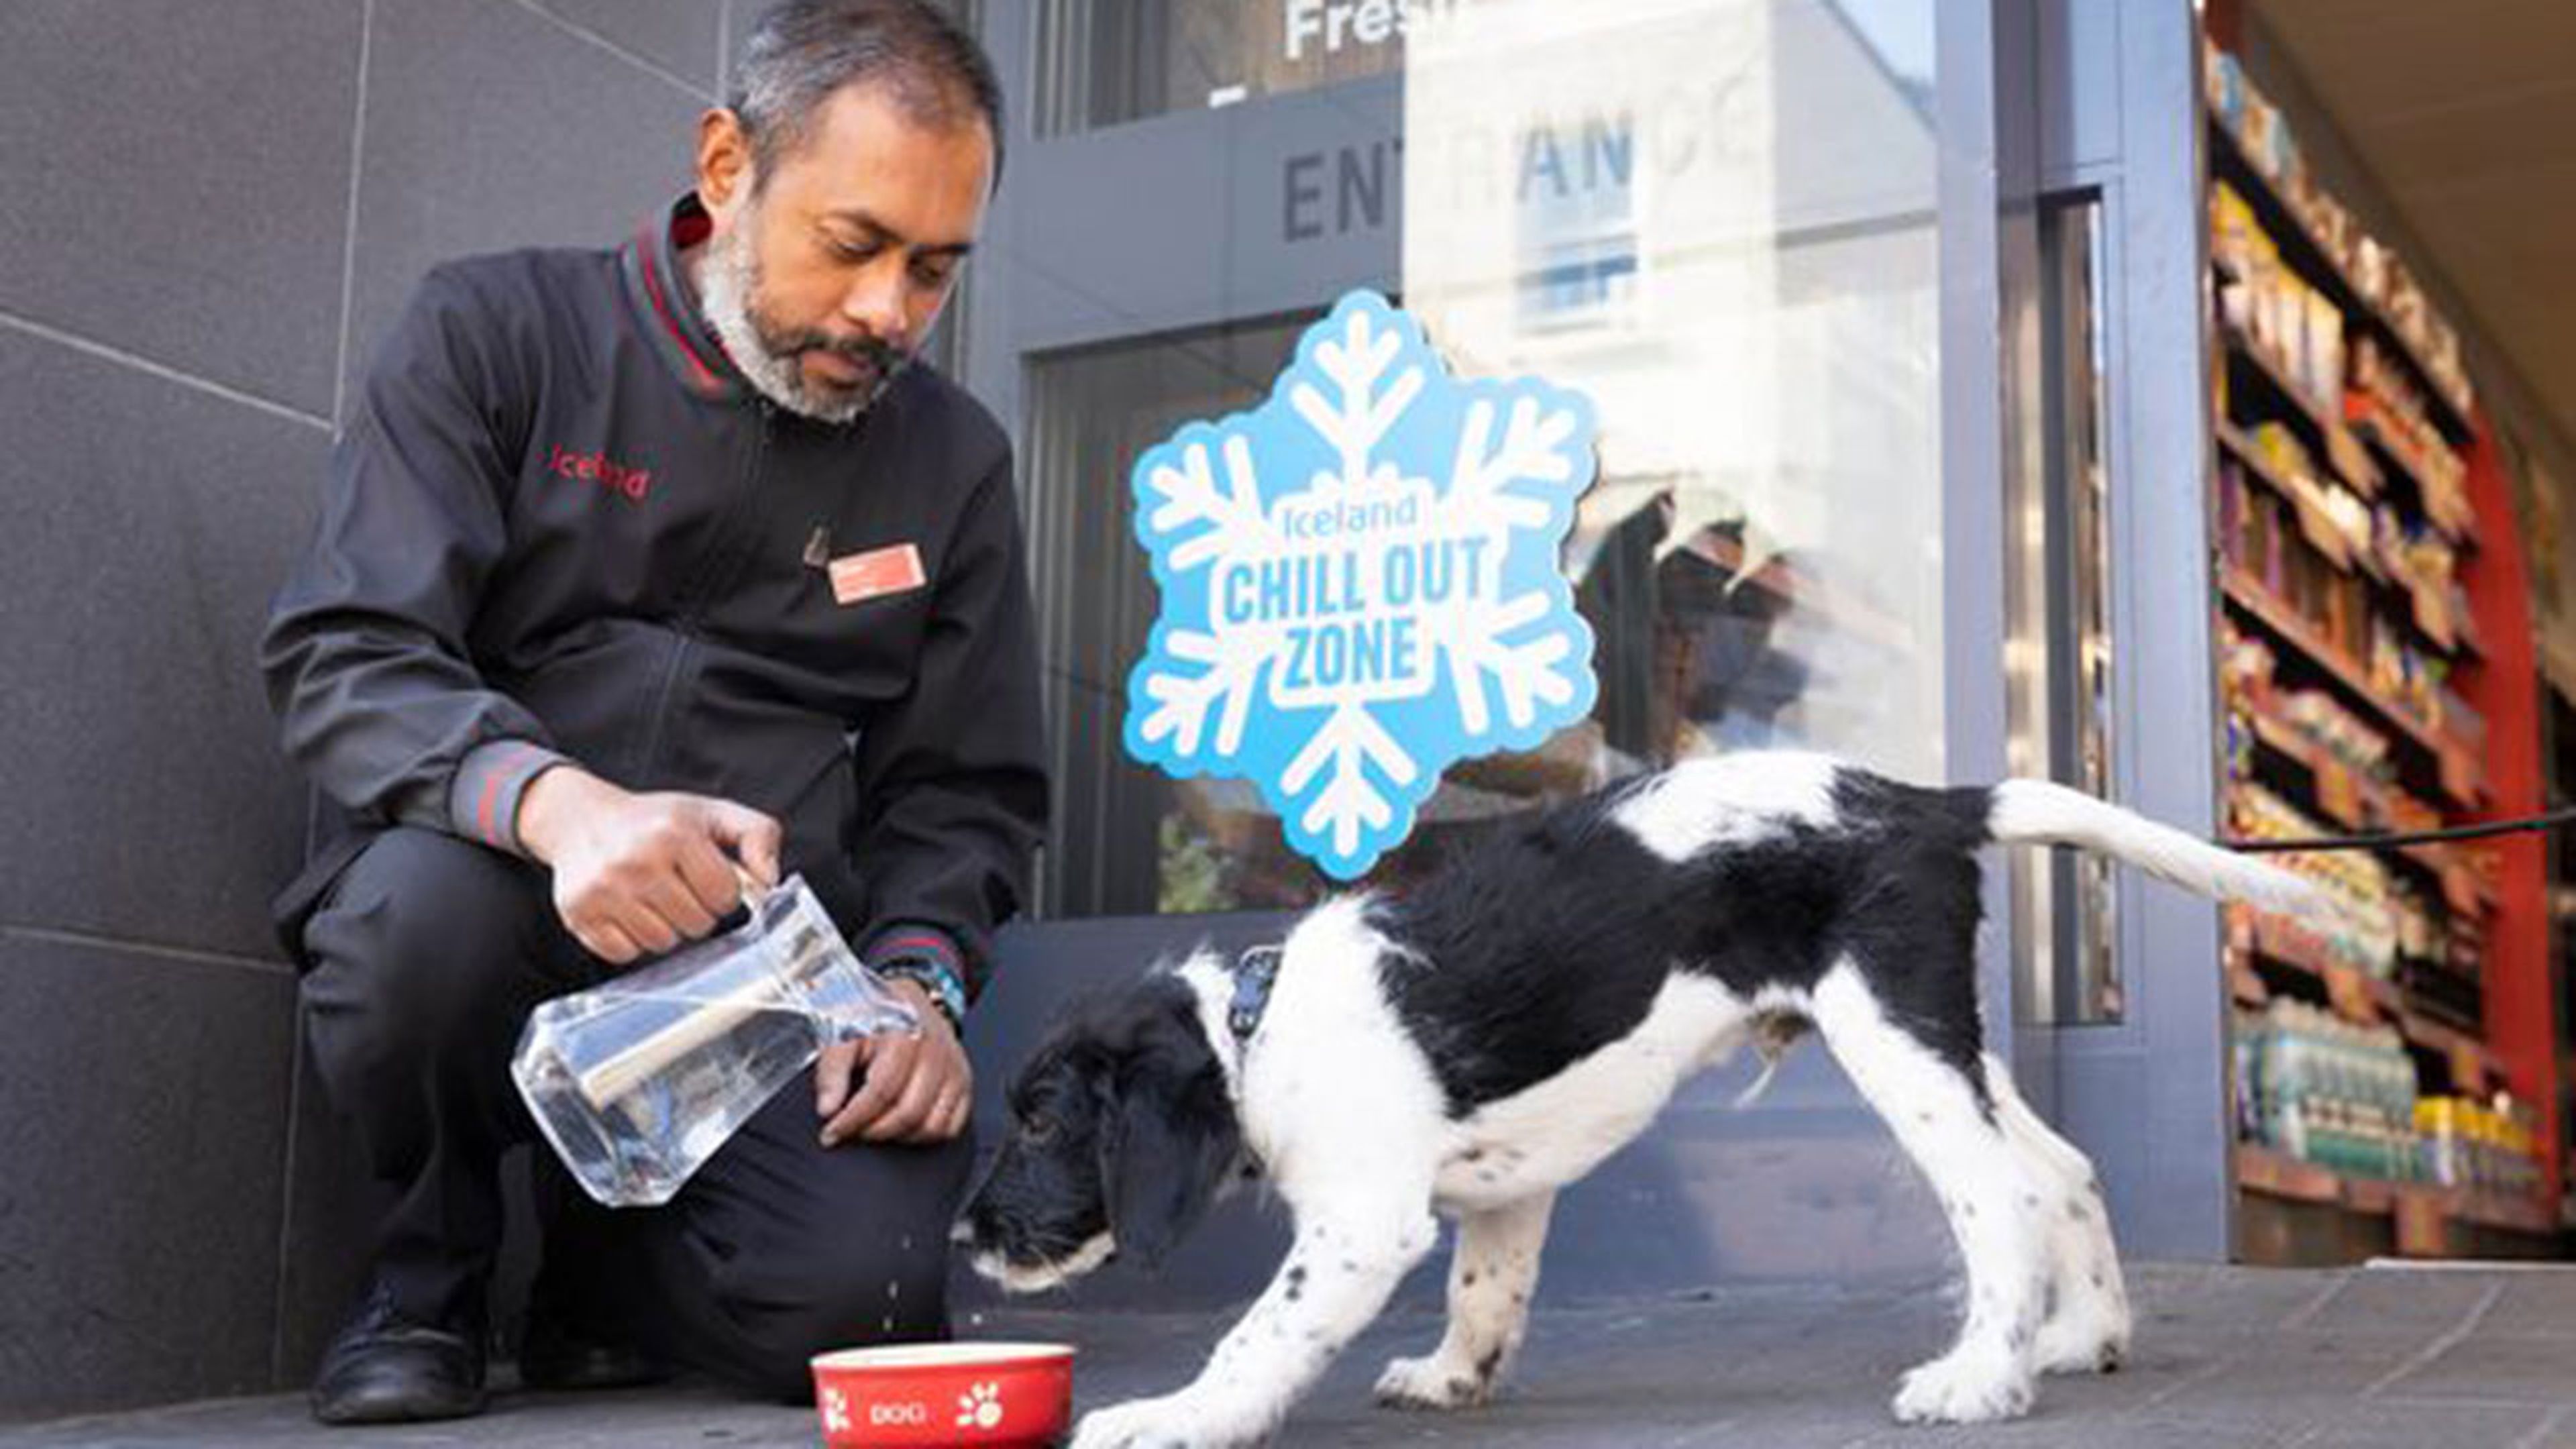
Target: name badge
876, 574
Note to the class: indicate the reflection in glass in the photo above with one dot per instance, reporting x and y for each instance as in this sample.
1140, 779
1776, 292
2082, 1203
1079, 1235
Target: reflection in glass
1107, 62
1715, 218
2058, 659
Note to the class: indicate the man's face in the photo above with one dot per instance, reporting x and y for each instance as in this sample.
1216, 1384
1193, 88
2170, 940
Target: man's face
823, 280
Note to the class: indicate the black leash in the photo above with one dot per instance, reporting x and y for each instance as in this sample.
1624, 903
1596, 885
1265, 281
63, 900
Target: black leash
2546, 820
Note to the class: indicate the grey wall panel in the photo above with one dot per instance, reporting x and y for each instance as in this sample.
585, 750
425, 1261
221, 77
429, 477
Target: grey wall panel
678, 36
178, 181
143, 526
142, 1109
169, 329
490, 128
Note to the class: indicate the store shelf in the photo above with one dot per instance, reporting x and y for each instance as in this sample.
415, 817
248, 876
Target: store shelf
2245, 985
2260, 1169
2471, 1061
2340, 792
2398, 457
2319, 530
2278, 1174
2306, 254
2325, 432
2493, 1210
2357, 995
2347, 798
2461, 776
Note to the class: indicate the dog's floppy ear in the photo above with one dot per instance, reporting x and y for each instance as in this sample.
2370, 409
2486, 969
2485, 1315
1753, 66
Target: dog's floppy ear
1170, 1137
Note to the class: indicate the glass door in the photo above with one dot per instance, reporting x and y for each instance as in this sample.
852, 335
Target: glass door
1747, 230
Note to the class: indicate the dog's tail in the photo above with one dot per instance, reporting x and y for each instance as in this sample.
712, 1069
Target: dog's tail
2041, 812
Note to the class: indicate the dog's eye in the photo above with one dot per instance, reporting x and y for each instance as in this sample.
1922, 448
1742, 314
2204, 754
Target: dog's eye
1038, 1128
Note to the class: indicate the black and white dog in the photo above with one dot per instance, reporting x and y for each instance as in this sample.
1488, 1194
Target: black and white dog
1468, 1048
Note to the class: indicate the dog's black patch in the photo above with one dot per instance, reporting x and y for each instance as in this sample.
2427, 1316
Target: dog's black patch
1552, 939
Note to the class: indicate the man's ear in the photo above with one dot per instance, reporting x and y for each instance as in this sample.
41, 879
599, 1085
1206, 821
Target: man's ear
724, 164
1171, 1139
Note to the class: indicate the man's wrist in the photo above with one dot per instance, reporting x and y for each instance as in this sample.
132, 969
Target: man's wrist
490, 786
548, 804
934, 983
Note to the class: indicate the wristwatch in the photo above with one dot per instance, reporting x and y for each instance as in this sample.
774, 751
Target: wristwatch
946, 991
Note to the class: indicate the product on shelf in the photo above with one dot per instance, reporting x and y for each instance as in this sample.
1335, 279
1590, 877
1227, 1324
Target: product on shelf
2480, 1146
2364, 934
2386, 405
2374, 272
2328, 1091
2293, 325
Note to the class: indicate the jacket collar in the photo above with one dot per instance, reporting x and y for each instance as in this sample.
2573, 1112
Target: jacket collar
666, 305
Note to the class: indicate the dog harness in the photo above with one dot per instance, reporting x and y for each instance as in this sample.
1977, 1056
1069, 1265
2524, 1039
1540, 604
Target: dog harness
1254, 973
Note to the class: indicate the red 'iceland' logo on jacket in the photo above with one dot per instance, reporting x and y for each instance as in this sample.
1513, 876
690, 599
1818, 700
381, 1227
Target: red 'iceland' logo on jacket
599, 468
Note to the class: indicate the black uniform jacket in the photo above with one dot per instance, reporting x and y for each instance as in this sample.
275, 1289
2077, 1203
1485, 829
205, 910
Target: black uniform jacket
559, 525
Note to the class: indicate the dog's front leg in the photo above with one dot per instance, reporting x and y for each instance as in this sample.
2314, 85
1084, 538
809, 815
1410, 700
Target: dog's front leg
1490, 1281
1339, 1273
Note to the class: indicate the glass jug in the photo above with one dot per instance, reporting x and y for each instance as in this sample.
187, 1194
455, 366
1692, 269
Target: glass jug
637, 1081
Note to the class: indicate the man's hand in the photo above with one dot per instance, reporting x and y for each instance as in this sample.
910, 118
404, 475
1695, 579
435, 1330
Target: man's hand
635, 875
917, 1088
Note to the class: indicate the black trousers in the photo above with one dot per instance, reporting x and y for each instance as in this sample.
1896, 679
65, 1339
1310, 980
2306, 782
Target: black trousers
426, 956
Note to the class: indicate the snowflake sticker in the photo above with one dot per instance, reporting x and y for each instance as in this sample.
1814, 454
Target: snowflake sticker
1360, 583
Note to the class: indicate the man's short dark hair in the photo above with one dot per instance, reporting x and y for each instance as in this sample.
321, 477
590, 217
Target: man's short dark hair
801, 53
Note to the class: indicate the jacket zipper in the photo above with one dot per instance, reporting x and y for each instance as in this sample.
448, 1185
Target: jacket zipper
728, 544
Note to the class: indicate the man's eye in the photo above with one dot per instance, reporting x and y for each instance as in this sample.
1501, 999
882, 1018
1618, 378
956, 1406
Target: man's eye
933, 274
848, 251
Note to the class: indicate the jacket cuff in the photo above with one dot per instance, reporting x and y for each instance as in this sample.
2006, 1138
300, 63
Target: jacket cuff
911, 941
483, 799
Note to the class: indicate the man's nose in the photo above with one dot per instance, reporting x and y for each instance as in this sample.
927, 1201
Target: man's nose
875, 302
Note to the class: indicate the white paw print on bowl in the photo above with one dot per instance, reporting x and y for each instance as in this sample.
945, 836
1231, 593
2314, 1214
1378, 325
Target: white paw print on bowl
836, 1412
980, 1407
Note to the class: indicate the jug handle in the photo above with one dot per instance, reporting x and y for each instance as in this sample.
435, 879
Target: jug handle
640, 1063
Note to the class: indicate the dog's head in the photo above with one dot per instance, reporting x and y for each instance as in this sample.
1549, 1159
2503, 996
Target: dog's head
1121, 1131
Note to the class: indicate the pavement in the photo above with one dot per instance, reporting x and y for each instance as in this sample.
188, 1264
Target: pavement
2394, 1357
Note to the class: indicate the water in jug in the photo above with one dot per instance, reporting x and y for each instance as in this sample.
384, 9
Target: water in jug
636, 1082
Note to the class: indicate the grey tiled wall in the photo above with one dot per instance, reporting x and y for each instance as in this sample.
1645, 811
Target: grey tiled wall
214, 210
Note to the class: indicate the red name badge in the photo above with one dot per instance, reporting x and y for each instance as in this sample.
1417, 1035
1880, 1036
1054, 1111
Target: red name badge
859, 577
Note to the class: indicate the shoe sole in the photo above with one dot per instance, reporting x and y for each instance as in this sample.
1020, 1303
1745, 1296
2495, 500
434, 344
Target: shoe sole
396, 1410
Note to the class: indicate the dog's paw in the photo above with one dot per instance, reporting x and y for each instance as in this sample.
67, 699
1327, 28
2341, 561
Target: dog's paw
1964, 1387
2081, 1344
1175, 1421
1137, 1424
1432, 1382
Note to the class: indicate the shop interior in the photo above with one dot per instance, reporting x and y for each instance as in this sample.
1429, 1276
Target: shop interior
2392, 352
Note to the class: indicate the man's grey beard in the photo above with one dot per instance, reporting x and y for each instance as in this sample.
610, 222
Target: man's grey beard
728, 286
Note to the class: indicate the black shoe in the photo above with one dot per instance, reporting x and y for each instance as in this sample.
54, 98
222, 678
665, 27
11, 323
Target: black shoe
387, 1368
555, 1356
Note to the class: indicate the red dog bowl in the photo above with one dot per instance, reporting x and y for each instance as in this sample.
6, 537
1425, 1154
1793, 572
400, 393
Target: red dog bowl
1001, 1395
